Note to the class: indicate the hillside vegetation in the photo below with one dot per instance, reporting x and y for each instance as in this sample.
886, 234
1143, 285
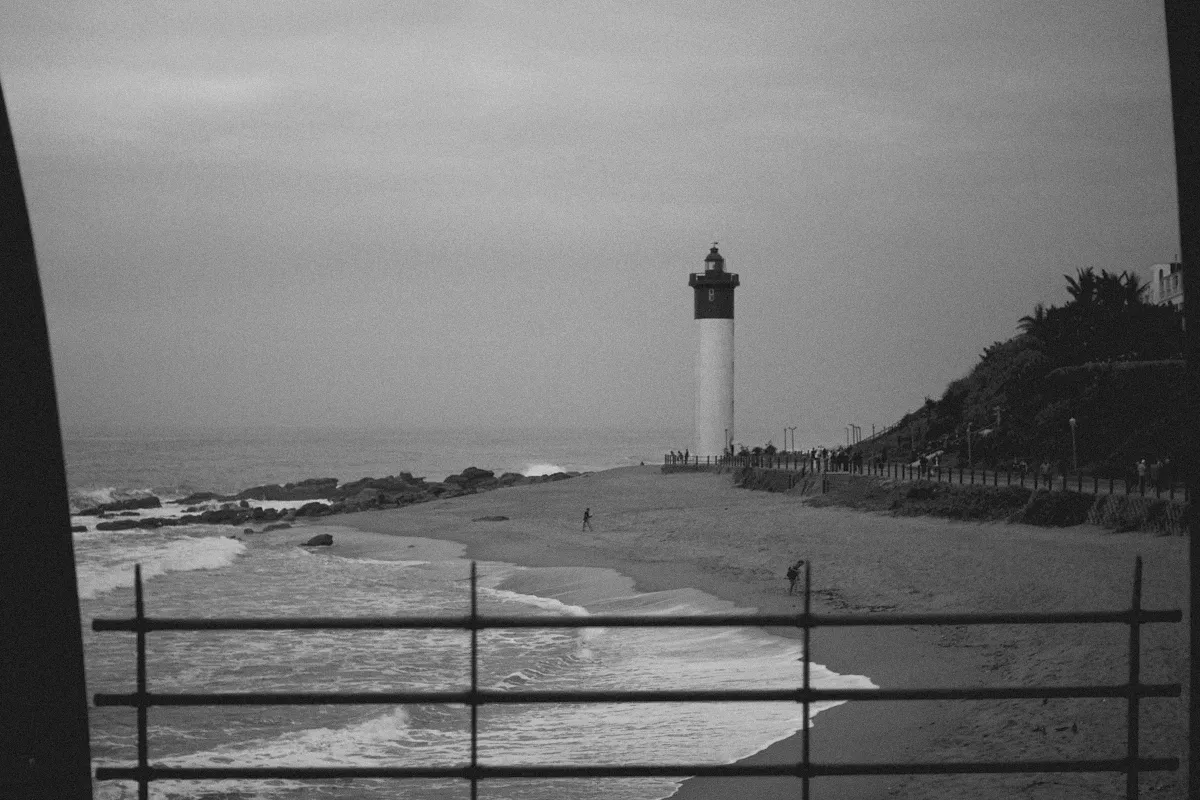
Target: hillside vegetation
1107, 359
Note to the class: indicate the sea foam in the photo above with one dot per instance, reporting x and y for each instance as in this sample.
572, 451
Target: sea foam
542, 468
96, 576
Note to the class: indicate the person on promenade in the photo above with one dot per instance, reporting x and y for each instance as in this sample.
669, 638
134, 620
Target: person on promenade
587, 519
793, 574
1141, 473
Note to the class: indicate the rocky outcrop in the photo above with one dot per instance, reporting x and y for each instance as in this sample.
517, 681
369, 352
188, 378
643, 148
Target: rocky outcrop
308, 489
320, 540
149, 501
393, 491
199, 497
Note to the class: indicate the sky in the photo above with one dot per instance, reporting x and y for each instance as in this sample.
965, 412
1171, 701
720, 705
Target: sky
484, 214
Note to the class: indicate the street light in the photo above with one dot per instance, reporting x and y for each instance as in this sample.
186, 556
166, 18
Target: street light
1074, 451
793, 430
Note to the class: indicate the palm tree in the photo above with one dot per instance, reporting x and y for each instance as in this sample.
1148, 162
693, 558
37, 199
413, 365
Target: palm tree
1133, 290
1082, 287
1036, 323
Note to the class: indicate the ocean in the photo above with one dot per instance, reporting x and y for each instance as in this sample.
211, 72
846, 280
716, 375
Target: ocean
198, 571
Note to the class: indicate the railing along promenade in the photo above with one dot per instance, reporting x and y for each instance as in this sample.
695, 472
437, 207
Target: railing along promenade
1067, 482
1132, 763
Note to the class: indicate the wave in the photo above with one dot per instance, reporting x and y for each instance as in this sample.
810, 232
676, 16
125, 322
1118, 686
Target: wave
95, 576
541, 468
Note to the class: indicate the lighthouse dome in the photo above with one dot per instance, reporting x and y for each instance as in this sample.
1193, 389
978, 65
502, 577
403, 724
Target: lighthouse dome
714, 260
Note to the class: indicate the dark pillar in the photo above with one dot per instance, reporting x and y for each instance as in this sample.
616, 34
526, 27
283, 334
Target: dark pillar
1183, 31
43, 701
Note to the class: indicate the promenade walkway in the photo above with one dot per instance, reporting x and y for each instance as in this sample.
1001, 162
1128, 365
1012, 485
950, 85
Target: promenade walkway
1066, 482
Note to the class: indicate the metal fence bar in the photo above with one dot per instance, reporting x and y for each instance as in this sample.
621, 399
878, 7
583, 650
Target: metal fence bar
804, 742
143, 739
518, 697
633, 621
485, 772
474, 683
1135, 671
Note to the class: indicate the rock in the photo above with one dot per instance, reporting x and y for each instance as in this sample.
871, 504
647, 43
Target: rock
391, 485
78, 528
247, 530
199, 497
311, 510
150, 501
512, 479
278, 526
490, 519
270, 491
307, 489
320, 540
244, 504
224, 516
121, 525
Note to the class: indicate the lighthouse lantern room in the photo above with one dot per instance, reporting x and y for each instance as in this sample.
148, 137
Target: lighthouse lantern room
714, 359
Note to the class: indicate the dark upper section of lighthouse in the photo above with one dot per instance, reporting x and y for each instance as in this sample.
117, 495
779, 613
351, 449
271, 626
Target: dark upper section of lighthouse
714, 288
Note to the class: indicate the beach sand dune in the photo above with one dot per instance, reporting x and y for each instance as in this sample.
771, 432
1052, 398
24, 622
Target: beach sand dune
697, 530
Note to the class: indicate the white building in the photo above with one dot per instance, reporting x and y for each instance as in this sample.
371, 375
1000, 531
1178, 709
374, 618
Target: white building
1166, 285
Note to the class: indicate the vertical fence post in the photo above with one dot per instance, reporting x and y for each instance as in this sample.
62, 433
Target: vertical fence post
474, 685
143, 744
804, 743
1135, 664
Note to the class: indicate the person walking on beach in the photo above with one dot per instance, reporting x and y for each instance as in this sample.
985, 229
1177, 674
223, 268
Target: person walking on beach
587, 519
793, 574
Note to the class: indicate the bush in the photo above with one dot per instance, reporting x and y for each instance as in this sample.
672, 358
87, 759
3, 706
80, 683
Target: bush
1056, 509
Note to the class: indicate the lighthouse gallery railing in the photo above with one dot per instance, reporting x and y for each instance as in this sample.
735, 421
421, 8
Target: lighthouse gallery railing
1132, 764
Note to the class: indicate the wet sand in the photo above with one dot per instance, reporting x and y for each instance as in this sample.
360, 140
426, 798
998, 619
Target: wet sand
697, 530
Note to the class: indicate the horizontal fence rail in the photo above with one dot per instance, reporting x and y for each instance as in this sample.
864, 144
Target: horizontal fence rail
474, 697
1073, 481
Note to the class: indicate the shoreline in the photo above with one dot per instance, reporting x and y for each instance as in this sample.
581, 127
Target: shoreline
697, 531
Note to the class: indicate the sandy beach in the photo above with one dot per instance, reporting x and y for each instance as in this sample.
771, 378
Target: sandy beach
698, 530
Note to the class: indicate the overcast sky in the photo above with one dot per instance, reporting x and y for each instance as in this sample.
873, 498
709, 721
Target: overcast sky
485, 213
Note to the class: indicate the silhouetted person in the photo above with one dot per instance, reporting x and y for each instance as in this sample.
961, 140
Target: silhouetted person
587, 519
793, 574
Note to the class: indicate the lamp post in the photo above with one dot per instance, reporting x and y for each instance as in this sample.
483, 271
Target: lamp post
1074, 451
793, 430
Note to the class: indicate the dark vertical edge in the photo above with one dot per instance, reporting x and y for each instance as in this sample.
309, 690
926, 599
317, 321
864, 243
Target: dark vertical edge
143, 734
1183, 31
44, 749
1135, 677
474, 681
806, 752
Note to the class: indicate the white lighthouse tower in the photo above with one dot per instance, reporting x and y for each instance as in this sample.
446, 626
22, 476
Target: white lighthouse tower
714, 360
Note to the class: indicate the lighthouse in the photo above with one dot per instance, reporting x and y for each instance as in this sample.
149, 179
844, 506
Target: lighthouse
714, 360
